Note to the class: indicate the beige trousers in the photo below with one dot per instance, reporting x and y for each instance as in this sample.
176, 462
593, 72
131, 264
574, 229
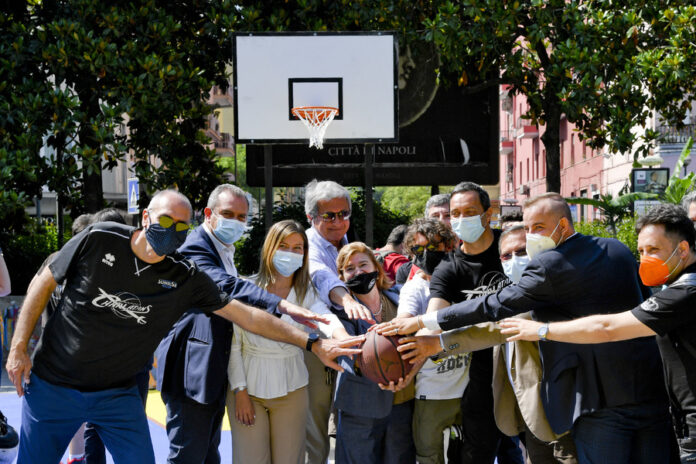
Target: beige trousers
278, 434
320, 395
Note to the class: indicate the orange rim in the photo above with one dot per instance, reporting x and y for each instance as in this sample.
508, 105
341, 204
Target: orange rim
321, 112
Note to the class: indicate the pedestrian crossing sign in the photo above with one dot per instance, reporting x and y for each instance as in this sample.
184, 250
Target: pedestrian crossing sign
133, 195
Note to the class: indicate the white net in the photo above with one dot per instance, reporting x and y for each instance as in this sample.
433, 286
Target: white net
316, 119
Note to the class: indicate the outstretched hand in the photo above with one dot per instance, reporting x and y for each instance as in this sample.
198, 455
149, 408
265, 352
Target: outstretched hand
403, 382
398, 326
328, 350
355, 310
417, 349
520, 329
302, 315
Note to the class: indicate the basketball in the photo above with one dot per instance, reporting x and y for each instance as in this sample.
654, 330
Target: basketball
379, 360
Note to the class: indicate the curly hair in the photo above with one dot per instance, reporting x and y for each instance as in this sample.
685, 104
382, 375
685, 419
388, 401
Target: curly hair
433, 230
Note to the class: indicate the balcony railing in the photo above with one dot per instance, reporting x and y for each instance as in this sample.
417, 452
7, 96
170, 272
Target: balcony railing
673, 134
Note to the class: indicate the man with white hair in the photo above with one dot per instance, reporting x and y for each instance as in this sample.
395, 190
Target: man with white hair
124, 288
328, 209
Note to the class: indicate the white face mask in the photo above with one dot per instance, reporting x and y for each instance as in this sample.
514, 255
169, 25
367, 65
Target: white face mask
514, 266
536, 243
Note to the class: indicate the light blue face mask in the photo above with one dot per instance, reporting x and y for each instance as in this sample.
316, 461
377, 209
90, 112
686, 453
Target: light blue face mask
287, 262
514, 266
229, 230
468, 229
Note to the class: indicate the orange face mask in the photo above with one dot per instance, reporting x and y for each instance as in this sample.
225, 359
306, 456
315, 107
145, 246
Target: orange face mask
654, 272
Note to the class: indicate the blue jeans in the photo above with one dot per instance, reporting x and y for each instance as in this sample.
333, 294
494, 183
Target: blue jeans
52, 414
638, 434
94, 446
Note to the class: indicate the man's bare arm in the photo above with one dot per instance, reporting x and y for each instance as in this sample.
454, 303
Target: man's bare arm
261, 323
38, 294
600, 328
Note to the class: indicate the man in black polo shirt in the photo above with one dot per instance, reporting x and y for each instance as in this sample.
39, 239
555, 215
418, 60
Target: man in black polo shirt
124, 288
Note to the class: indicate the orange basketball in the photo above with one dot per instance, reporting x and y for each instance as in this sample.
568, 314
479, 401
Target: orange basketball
379, 360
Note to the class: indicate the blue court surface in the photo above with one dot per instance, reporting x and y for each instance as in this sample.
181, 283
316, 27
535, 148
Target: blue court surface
10, 405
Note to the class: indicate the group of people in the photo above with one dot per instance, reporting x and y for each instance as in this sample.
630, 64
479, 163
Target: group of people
267, 347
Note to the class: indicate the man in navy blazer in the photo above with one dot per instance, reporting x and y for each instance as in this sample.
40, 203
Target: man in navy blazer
192, 359
611, 394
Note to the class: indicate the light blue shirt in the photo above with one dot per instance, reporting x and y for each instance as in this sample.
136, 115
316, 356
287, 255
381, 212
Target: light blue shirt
322, 264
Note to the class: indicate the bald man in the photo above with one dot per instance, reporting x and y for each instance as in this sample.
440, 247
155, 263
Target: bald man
611, 395
124, 289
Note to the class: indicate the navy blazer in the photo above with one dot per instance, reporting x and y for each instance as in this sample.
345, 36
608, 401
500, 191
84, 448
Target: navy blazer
582, 276
192, 359
355, 394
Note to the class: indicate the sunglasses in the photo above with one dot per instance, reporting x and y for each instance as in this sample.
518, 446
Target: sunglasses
167, 222
519, 252
419, 249
330, 216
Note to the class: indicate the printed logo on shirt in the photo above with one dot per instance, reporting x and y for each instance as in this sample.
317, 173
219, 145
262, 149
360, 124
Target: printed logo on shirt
124, 305
167, 283
109, 259
650, 304
491, 282
452, 362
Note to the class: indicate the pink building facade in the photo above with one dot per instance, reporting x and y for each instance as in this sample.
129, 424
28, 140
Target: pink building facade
523, 159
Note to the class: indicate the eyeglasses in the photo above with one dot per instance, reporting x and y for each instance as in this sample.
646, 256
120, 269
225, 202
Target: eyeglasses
330, 216
518, 252
419, 249
167, 222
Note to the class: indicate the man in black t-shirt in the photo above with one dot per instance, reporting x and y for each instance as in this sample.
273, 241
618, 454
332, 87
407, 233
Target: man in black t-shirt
473, 269
124, 288
666, 244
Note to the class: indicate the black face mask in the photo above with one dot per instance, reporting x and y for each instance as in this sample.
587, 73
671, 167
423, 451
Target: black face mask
164, 241
361, 284
428, 260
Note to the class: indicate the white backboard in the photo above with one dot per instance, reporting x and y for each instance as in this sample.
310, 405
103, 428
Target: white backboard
355, 72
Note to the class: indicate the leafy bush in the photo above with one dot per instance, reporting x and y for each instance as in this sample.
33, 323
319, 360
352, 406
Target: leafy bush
25, 253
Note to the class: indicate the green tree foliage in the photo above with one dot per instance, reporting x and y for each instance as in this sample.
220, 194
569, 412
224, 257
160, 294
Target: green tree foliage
83, 74
678, 187
409, 201
590, 62
614, 209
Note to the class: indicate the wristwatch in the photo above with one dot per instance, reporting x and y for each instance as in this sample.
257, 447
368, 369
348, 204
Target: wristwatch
543, 332
313, 337
238, 389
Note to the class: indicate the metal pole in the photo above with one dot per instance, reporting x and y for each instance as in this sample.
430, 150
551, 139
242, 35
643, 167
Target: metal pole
268, 183
59, 201
369, 205
434, 190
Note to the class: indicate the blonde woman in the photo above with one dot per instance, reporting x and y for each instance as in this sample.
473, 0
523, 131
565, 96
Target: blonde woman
268, 399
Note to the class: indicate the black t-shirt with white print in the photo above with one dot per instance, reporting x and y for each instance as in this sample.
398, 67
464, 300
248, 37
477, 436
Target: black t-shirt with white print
671, 314
115, 309
463, 277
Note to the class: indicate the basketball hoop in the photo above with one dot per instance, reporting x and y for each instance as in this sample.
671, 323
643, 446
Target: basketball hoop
316, 119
